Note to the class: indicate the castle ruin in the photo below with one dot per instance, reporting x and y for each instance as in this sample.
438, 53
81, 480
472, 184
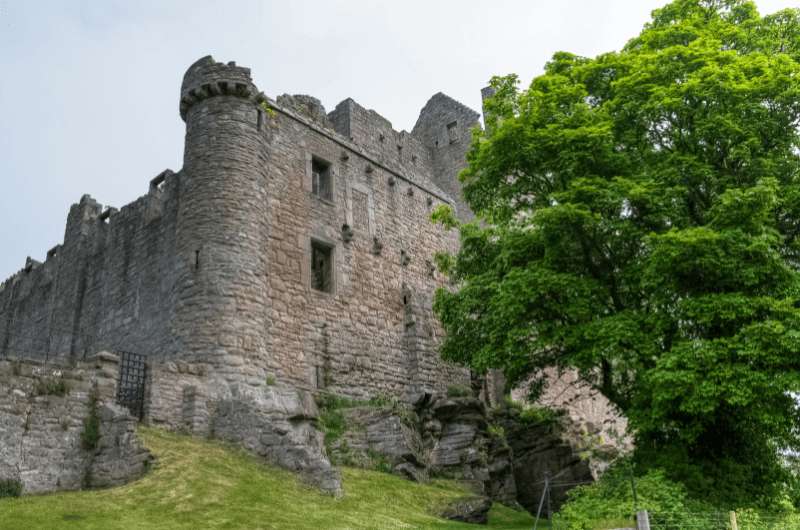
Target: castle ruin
294, 246
292, 256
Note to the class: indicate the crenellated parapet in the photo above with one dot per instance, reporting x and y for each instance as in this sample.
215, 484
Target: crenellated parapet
207, 78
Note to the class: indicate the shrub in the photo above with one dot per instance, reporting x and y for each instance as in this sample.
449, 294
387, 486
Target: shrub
10, 487
379, 462
753, 520
610, 501
90, 435
51, 386
270, 380
540, 415
497, 431
456, 391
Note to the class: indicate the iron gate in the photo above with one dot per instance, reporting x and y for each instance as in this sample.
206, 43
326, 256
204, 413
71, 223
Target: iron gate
132, 374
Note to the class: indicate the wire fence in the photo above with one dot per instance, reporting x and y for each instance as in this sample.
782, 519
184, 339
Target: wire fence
664, 520
715, 520
641, 516
722, 520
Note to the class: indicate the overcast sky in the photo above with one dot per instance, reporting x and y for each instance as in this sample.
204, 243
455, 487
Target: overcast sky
89, 89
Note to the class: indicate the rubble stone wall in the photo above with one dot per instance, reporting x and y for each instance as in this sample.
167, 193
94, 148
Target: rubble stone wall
213, 265
43, 410
108, 286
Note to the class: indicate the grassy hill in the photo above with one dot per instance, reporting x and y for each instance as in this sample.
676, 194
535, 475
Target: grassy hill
204, 484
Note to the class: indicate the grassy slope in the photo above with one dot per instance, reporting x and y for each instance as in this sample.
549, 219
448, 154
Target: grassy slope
200, 484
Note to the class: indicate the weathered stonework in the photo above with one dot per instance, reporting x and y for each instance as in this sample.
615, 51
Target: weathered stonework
436, 436
213, 264
210, 273
591, 425
291, 255
43, 410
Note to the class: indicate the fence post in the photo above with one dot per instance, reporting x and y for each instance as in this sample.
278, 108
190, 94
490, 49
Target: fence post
545, 492
547, 489
642, 520
734, 524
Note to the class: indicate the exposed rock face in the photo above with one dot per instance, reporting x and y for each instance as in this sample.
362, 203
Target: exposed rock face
437, 437
502, 485
272, 419
497, 453
469, 510
119, 456
277, 423
539, 449
43, 411
454, 432
388, 434
592, 425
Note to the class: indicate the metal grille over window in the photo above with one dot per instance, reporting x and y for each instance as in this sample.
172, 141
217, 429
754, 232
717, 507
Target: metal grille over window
132, 376
321, 267
321, 179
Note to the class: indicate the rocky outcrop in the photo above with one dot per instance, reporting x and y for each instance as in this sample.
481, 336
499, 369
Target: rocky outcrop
474, 509
272, 419
384, 437
503, 454
591, 424
437, 436
454, 433
539, 450
278, 424
502, 485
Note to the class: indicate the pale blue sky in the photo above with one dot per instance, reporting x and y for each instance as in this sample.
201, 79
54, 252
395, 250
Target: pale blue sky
89, 89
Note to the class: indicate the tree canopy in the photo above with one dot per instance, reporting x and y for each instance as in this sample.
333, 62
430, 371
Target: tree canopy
639, 220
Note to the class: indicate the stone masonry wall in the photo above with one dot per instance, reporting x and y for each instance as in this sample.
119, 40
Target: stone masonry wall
42, 413
108, 286
273, 420
212, 266
375, 333
445, 126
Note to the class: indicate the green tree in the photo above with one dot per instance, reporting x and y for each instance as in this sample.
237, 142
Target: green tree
641, 223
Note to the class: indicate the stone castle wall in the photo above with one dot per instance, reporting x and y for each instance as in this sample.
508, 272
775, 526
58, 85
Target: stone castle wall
42, 413
375, 332
213, 265
108, 286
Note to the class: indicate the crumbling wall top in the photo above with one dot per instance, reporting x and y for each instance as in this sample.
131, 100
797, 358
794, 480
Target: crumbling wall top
207, 78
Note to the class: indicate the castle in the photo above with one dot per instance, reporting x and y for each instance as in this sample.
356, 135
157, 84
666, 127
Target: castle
294, 247
293, 243
291, 258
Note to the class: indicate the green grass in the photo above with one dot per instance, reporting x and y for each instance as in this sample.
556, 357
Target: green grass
203, 484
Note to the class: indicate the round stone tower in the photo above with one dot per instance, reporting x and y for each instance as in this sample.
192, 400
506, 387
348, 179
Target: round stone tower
222, 226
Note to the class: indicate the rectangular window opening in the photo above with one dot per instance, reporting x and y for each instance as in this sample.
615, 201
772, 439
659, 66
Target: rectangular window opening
321, 267
452, 133
321, 179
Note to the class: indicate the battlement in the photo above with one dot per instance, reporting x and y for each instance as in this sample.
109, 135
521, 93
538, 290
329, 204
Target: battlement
243, 225
207, 78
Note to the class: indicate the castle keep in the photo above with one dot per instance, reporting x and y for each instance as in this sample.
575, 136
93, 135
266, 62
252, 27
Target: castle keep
293, 244
292, 253
290, 260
